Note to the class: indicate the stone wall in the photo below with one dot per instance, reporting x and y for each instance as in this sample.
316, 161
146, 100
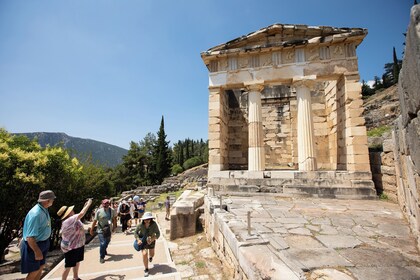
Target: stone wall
279, 117
407, 129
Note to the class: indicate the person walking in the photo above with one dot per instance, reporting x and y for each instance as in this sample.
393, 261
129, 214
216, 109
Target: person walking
168, 208
146, 234
36, 236
124, 212
132, 211
136, 202
105, 218
141, 207
73, 238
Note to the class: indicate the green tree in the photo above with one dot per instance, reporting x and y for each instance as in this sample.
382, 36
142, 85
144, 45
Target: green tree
396, 67
377, 84
161, 157
134, 163
25, 170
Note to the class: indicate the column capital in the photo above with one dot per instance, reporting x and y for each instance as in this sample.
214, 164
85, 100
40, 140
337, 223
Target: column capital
254, 86
304, 81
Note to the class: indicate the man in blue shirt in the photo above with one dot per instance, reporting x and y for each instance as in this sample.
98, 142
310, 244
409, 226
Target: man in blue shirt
36, 236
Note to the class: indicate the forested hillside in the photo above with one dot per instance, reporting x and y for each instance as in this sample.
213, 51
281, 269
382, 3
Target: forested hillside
86, 150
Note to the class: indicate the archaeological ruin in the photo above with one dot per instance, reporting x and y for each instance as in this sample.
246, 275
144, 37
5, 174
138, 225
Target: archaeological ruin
285, 113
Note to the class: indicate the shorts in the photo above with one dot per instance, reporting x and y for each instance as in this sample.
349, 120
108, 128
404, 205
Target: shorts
150, 246
28, 263
72, 257
136, 215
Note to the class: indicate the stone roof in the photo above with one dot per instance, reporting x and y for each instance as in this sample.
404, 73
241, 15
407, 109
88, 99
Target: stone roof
287, 35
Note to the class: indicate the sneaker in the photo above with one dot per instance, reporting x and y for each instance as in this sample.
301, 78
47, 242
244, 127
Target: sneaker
150, 259
101, 260
146, 272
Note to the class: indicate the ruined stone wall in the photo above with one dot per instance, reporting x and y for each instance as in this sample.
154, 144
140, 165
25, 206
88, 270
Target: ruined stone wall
388, 174
407, 130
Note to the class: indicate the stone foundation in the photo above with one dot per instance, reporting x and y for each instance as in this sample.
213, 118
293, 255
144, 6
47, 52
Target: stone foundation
324, 184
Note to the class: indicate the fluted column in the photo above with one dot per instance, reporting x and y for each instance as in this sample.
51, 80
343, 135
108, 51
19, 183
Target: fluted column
305, 128
256, 155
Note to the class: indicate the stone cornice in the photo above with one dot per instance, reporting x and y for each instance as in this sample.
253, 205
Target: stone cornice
303, 36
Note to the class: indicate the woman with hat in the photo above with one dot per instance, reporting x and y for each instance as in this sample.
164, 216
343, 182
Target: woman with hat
72, 238
148, 231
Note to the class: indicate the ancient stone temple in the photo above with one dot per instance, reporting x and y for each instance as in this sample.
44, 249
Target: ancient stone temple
285, 113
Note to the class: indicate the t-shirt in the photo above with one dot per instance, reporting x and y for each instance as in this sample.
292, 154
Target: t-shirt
104, 218
167, 203
72, 234
37, 224
141, 206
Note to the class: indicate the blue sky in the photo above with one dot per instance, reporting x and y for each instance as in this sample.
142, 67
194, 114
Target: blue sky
109, 70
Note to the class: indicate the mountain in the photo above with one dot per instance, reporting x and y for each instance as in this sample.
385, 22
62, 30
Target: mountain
99, 152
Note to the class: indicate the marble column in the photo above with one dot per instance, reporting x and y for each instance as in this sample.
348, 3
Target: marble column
256, 155
305, 128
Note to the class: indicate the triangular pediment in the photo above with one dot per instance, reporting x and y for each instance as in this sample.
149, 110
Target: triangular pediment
285, 35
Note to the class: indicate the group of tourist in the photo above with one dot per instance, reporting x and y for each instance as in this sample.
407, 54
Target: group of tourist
130, 211
37, 232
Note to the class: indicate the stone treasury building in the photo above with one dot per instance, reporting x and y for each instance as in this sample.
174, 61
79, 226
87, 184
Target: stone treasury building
285, 113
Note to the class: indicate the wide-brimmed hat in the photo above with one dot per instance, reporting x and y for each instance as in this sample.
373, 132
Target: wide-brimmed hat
65, 211
147, 216
46, 195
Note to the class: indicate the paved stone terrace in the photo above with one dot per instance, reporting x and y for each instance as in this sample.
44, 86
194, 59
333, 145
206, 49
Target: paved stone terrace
307, 238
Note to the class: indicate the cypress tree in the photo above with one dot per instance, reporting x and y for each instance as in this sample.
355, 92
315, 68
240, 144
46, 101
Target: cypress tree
161, 156
396, 67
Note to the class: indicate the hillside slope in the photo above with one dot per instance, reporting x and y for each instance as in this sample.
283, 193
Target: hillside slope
382, 108
84, 149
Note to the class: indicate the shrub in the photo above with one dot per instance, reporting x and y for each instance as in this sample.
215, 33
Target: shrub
192, 162
378, 131
176, 169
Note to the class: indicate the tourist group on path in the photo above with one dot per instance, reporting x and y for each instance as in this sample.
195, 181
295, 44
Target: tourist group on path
37, 231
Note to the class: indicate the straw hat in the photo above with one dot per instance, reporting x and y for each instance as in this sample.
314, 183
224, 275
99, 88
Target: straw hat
65, 211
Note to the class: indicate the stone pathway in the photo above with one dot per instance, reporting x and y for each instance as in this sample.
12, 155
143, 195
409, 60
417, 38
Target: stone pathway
320, 238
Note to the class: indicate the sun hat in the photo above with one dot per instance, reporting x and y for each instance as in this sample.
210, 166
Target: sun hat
136, 198
130, 199
46, 195
147, 216
65, 211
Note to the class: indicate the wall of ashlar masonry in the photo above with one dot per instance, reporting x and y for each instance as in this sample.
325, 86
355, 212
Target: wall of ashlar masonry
279, 118
277, 126
351, 131
355, 130
331, 122
218, 129
237, 130
321, 130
